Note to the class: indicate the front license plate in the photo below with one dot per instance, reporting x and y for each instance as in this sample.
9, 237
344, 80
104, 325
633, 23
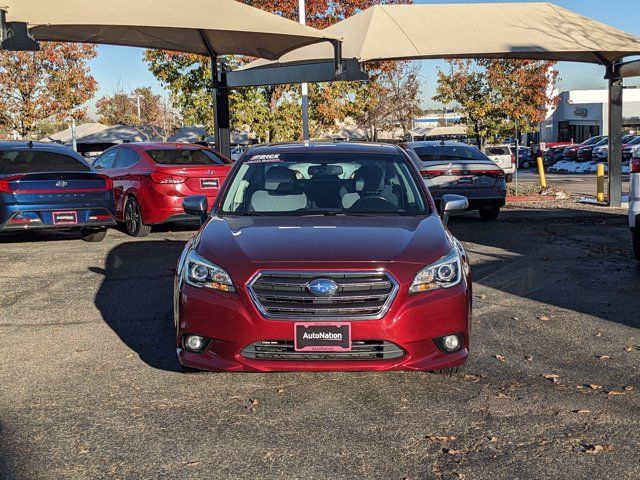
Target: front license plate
65, 218
209, 183
322, 337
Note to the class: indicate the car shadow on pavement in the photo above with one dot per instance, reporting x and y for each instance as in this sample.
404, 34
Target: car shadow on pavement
135, 298
578, 260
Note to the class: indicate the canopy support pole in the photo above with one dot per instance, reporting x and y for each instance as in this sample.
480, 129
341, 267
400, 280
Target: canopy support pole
221, 116
615, 136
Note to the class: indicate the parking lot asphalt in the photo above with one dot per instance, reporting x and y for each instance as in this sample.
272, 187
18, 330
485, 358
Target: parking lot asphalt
579, 183
91, 389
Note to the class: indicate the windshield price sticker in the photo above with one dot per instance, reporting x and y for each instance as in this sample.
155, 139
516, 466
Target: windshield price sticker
265, 158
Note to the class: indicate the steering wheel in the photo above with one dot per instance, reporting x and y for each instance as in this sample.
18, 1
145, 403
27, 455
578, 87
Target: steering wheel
374, 203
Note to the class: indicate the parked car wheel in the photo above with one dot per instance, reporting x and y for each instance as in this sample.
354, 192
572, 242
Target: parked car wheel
489, 213
133, 219
93, 235
509, 178
636, 243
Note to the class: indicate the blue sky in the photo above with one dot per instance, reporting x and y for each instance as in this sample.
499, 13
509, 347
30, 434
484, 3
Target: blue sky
123, 68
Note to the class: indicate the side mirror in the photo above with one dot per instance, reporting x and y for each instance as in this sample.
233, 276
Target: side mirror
197, 206
453, 205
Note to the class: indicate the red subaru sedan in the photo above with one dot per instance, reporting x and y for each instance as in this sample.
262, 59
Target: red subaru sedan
150, 180
323, 256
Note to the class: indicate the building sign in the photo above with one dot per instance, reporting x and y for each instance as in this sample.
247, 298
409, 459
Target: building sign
580, 112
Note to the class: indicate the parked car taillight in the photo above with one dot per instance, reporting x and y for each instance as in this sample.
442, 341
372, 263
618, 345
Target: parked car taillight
5, 186
513, 158
165, 178
108, 182
635, 165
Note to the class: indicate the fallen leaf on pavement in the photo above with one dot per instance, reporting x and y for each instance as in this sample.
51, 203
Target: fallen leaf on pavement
593, 449
193, 464
493, 439
528, 358
581, 411
451, 451
554, 377
615, 392
628, 349
603, 357
628, 388
598, 334
441, 438
501, 358
471, 378
593, 386
544, 318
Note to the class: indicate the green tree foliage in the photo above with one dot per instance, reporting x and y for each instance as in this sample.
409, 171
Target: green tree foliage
495, 96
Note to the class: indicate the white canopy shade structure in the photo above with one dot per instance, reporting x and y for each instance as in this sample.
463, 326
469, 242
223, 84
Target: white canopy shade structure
537, 31
489, 30
205, 27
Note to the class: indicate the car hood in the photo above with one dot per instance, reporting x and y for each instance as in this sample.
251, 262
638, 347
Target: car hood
312, 240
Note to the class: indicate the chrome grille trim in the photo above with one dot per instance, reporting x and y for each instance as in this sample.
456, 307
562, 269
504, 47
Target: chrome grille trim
362, 295
361, 350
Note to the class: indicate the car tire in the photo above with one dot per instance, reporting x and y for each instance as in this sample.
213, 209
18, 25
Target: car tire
509, 178
489, 213
636, 243
93, 235
133, 223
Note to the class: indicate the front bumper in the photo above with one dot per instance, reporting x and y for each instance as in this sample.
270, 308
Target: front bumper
233, 323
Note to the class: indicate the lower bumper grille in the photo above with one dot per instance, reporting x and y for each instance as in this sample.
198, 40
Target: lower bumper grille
360, 350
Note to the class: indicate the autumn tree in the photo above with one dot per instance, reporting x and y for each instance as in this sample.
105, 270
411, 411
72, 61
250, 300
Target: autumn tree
495, 96
188, 79
141, 108
50, 85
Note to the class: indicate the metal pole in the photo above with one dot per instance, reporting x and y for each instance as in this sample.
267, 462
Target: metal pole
74, 135
305, 90
615, 140
517, 143
221, 108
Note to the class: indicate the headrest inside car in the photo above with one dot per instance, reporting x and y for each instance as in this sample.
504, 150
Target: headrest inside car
325, 170
279, 178
368, 179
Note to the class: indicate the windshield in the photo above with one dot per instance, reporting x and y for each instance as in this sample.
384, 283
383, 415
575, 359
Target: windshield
439, 153
591, 141
324, 184
183, 156
38, 161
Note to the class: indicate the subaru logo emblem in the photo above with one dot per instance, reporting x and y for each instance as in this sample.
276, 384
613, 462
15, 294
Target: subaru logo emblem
322, 286
61, 183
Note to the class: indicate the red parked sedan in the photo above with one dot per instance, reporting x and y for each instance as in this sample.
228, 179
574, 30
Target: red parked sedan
323, 256
150, 180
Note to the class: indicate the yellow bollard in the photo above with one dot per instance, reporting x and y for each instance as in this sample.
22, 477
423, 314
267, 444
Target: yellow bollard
600, 183
543, 179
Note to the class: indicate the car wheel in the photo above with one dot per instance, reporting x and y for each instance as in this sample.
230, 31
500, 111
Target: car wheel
93, 235
636, 243
133, 219
509, 178
489, 213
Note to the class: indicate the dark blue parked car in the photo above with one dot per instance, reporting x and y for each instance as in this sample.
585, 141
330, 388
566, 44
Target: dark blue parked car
45, 186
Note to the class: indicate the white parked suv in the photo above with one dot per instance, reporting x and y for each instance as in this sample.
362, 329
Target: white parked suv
502, 156
634, 201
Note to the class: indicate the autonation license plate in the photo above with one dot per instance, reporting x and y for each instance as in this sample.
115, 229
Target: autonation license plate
209, 183
65, 218
322, 337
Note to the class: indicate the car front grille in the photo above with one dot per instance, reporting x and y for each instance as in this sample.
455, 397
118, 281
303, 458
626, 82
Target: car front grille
360, 350
360, 295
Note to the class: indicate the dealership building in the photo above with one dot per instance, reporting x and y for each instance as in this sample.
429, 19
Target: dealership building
582, 114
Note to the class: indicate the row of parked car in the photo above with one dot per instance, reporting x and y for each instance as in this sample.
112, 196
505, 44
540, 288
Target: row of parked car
138, 185
584, 157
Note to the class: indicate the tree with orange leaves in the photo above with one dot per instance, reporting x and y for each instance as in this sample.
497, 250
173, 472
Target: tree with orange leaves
49, 85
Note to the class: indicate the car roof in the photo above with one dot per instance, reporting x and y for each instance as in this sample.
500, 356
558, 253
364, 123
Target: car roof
446, 143
23, 144
321, 147
166, 145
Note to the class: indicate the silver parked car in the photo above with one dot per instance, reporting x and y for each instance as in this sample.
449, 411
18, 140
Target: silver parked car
461, 169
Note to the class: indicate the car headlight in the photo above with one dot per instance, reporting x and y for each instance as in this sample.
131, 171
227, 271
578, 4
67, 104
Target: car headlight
445, 273
200, 272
